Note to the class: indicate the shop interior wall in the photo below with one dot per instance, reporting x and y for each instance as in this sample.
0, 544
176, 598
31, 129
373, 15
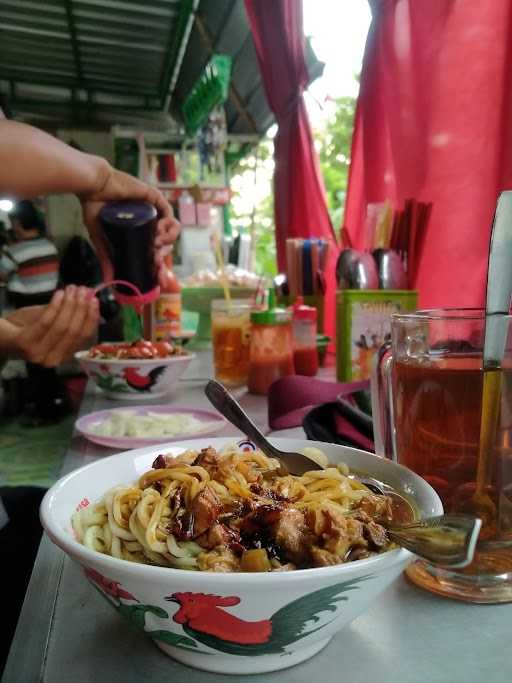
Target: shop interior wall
63, 213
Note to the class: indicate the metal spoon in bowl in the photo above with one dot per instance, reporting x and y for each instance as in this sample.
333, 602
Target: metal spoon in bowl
220, 398
448, 540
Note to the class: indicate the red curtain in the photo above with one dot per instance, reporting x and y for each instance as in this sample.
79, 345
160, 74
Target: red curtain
434, 122
299, 196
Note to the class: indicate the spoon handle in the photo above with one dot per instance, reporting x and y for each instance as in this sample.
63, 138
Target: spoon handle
221, 399
447, 540
499, 283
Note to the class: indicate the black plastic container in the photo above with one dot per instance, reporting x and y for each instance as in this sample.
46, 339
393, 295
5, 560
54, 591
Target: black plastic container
129, 228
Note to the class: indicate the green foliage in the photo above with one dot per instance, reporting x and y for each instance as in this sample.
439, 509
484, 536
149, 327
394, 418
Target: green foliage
257, 219
265, 255
333, 142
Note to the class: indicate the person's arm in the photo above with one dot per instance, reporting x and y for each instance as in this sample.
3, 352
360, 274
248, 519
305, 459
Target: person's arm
33, 163
49, 335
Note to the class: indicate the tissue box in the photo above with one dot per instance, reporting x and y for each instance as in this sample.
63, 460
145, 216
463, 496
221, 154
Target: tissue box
363, 324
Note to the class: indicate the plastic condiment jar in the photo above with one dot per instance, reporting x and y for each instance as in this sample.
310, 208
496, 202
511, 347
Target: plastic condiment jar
305, 353
271, 352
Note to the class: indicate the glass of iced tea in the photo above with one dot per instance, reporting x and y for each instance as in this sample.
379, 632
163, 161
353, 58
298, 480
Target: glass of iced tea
427, 391
231, 337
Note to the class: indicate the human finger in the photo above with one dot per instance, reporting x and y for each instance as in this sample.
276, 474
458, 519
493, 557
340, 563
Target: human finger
155, 196
30, 342
168, 227
56, 333
77, 329
92, 320
167, 231
25, 315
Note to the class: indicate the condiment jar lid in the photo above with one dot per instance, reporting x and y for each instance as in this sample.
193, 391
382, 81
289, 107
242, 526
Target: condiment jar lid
273, 315
303, 312
127, 213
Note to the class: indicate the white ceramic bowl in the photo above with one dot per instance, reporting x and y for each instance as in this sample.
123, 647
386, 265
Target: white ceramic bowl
135, 379
257, 622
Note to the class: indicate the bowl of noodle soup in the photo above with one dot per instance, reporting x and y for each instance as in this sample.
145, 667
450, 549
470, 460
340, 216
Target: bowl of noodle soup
226, 565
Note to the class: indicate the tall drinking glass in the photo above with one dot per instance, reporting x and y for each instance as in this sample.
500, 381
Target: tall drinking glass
231, 337
427, 406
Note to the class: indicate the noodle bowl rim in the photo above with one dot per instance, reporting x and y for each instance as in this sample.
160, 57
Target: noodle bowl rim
64, 539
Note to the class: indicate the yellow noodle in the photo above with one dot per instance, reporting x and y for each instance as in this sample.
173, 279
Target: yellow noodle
174, 548
236, 489
136, 529
156, 557
93, 538
107, 537
146, 506
77, 523
219, 488
151, 540
135, 522
183, 473
169, 487
114, 527
122, 504
185, 562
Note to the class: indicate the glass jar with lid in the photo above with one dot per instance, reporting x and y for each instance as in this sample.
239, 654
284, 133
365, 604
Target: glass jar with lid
271, 351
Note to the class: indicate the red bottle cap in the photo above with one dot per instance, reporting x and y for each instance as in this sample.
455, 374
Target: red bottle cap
303, 312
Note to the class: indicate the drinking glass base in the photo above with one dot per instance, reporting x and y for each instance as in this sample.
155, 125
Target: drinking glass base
231, 382
482, 588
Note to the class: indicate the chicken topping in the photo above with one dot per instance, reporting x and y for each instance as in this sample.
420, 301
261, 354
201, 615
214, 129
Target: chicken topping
323, 558
219, 535
342, 533
292, 535
205, 509
377, 507
218, 560
209, 459
376, 534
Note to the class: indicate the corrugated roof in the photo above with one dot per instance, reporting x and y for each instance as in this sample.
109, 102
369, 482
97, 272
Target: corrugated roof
77, 62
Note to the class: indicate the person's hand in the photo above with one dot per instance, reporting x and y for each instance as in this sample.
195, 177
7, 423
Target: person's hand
116, 185
49, 335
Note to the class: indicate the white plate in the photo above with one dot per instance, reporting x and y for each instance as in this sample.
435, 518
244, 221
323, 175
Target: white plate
213, 423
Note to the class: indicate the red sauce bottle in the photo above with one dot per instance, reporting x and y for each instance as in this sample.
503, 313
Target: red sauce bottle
305, 353
271, 352
162, 318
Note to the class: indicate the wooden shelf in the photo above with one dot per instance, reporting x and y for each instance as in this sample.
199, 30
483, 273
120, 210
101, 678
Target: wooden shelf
209, 193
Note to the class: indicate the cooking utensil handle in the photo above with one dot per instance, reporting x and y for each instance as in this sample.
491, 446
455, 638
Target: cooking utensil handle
499, 283
382, 403
221, 399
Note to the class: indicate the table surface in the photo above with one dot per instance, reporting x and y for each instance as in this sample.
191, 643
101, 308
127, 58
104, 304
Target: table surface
67, 632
